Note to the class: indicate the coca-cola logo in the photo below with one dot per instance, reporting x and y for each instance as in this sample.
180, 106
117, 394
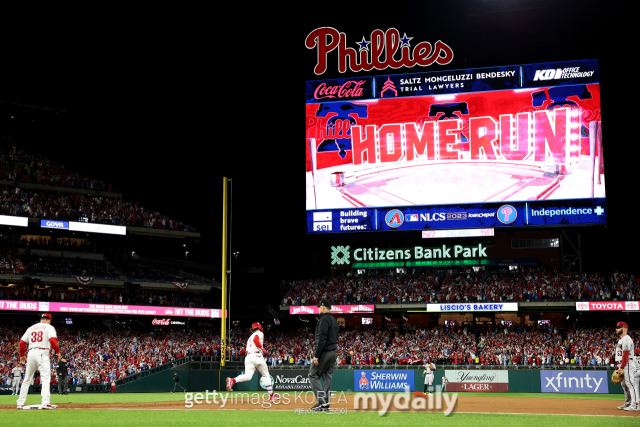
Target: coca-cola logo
159, 322
349, 89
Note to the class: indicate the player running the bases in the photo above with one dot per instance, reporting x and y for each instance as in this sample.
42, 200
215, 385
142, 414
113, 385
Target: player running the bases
39, 338
255, 360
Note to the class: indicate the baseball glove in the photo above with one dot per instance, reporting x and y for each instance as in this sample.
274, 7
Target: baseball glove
617, 377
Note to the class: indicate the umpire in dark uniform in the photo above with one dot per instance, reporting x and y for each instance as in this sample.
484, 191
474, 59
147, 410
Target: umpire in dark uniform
176, 384
325, 356
63, 378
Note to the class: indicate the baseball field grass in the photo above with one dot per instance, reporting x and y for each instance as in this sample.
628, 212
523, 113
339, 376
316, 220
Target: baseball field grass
178, 415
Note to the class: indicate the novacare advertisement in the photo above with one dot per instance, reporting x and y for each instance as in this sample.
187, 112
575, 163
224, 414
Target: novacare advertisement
574, 382
289, 380
383, 381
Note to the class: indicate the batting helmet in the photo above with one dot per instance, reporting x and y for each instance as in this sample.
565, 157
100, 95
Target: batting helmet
257, 326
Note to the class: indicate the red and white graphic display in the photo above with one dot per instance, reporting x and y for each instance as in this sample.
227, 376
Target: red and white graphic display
500, 146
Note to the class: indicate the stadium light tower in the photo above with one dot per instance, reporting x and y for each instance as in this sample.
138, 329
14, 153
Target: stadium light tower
235, 255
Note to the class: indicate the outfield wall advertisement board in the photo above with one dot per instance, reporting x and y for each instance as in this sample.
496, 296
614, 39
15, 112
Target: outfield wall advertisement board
480, 381
383, 380
590, 382
517, 146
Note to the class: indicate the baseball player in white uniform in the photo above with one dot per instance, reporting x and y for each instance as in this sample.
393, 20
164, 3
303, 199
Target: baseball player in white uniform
255, 360
429, 371
627, 365
16, 376
445, 381
636, 372
39, 339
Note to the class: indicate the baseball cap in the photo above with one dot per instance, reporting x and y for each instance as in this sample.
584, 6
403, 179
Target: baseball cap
622, 325
325, 303
47, 315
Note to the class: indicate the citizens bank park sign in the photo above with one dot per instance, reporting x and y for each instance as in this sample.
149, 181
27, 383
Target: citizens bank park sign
607, 306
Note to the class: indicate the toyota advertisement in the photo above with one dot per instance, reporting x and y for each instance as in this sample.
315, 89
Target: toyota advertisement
519, 146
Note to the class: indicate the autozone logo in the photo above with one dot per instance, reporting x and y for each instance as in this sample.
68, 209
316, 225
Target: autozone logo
561, 73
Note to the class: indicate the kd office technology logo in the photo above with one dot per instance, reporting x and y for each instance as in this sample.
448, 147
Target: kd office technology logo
340, 255
507, 214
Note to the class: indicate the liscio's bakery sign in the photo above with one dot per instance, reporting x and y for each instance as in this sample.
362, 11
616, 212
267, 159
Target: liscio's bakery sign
384, 49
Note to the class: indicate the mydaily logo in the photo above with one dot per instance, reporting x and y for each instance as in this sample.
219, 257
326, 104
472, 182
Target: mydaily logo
574, 382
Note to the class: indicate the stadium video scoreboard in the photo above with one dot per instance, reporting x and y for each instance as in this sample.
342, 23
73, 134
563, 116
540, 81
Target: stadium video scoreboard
512, 146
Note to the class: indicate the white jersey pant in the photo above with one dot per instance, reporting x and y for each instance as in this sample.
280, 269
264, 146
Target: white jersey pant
636, 375
629, 387
251, 363
37, 360
15, 385
428, 379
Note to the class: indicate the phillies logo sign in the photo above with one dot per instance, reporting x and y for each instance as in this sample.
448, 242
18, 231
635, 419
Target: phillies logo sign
368, 56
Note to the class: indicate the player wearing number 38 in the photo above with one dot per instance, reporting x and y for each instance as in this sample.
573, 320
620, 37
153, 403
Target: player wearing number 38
39, 339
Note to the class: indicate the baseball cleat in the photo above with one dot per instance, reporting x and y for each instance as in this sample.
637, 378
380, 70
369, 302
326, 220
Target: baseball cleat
274, 397
230, 383
49, 406
632, 408
623, 406
20, 407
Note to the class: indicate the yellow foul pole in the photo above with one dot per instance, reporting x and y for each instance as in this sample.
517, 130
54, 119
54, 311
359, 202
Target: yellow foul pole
223, 343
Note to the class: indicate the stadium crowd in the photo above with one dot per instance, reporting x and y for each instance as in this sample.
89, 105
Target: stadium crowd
98, 355
76, 207
525, 284
19, 166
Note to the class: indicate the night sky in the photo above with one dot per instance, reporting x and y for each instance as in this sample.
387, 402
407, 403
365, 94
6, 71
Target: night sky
164, 104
